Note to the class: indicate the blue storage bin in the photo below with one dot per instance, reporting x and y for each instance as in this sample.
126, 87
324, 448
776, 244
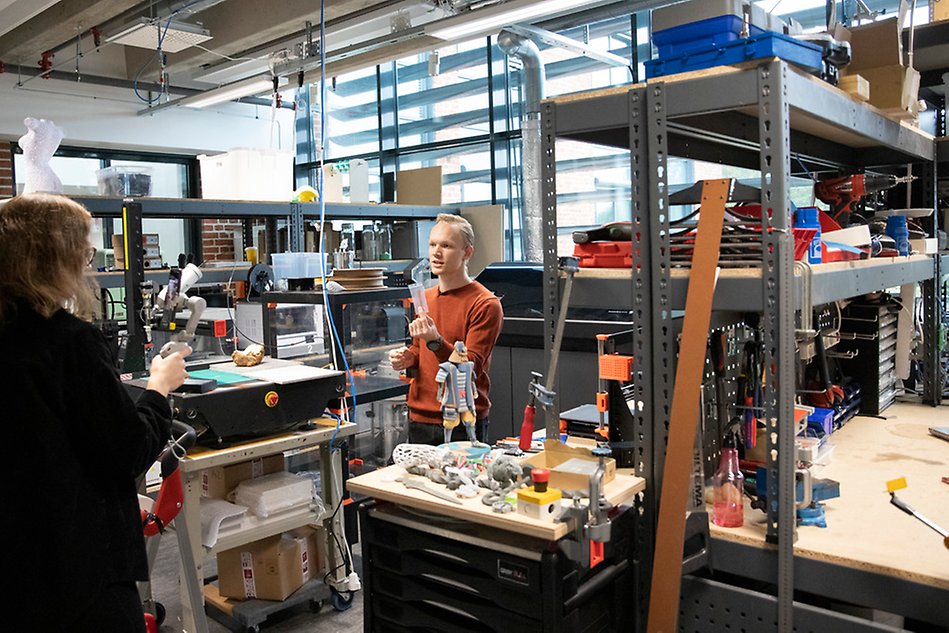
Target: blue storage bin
694, 36
803, 54
822, 420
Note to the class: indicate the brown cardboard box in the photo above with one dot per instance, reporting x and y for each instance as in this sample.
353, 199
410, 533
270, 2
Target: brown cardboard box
874, 45
940, 10
316, 556
268, 569
151, 248
571, 464
893, 87
419, 186
218, 482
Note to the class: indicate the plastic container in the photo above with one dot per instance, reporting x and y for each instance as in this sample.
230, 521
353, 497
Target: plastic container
417, 291
808, 219
314, 264
728, 509
384, 237
802, 54
897, 229
247, 174
289, 265
370, 242
694, 36
134, 182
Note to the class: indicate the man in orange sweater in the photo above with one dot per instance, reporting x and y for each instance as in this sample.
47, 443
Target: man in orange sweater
460, 309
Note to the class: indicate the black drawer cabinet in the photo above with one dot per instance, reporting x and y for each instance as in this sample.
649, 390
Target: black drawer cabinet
428, 573
873, 365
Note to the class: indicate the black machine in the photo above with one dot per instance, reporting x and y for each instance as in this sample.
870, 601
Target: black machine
252, 408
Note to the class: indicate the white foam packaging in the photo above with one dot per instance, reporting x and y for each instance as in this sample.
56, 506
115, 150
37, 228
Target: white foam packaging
275, 493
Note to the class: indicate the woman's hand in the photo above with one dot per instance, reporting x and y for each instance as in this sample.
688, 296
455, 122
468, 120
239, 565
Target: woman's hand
167, 374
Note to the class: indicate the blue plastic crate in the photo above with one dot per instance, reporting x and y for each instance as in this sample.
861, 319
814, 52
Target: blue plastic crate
822, 420
768, 44
696, 36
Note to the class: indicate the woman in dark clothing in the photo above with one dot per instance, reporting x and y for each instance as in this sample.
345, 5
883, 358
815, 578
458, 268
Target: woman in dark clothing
75, 442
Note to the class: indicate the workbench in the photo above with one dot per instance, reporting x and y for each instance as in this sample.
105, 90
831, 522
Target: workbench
432, 564
188, 522
870, 553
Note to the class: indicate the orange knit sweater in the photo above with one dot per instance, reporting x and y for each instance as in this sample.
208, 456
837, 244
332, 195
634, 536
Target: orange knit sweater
471, 314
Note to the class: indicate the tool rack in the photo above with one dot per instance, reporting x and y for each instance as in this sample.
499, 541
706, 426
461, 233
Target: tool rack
762, 116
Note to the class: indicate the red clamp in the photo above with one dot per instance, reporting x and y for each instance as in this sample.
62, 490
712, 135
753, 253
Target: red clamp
46, 63
96, 36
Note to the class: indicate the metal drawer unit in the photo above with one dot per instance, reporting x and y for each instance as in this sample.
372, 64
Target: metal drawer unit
868, 331
426, 572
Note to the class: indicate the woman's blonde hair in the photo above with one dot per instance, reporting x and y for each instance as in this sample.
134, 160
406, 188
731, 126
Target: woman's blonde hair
44, 249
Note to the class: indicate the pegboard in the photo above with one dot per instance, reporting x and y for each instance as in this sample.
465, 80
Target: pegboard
707, 606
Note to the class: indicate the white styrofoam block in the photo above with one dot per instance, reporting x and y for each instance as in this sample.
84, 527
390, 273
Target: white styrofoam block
247, 174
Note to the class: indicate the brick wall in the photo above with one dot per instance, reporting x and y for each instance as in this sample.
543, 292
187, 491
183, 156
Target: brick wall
7, 186
217, 239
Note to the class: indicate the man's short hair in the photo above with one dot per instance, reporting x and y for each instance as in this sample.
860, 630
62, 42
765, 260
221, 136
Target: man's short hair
463, 226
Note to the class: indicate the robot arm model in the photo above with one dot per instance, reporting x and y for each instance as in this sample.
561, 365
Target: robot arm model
39, 144
173, 298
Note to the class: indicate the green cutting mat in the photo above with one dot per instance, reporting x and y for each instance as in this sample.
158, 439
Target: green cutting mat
222, 377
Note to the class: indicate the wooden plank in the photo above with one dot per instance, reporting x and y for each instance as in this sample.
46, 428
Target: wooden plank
683, 418
382, 484
864, 530
856, 86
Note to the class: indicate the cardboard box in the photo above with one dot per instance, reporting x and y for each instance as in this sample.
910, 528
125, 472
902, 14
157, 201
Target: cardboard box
874, 45
419, 186
218, 482
893, 87
271, 568
150, 246
940, 10
571, 464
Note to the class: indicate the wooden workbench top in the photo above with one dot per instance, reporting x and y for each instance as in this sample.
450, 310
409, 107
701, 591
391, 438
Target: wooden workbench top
381, 484
864, 530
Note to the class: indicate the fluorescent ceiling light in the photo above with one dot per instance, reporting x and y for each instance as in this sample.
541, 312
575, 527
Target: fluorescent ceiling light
483, 21
177, 36
230, 92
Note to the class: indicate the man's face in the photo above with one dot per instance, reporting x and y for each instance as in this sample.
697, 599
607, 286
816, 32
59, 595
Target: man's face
446, 250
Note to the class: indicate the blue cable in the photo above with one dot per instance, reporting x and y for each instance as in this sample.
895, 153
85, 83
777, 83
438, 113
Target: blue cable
319, 187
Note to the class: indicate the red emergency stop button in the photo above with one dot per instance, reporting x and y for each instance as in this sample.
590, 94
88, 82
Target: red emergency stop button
271, 399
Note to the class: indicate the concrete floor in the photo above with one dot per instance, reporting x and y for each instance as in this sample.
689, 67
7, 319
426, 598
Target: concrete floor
165, 589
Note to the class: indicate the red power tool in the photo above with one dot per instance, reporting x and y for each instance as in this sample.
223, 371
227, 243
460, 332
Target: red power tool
843, 192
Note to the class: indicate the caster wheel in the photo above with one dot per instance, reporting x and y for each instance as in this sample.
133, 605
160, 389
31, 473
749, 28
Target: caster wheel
252, 629
159, 613
316, 606
340, 603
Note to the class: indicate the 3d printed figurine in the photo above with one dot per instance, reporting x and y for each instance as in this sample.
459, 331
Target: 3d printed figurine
38, 145
457, 392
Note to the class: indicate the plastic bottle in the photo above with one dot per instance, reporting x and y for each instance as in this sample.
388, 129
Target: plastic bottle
348, 237
808, 218
384, 235
897, 229
370, 243
728, 510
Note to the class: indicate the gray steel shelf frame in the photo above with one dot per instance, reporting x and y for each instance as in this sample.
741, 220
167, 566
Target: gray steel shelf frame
201, 208
745, 117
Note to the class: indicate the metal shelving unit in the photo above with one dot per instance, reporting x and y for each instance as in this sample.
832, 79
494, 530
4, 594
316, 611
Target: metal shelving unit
764, 117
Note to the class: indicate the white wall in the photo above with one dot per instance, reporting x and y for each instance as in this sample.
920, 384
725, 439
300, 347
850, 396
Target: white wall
96, 116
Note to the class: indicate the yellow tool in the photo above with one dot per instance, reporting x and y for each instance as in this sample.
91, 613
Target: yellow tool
898, 484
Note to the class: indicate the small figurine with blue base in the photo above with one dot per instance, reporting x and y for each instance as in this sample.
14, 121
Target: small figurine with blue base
457, 393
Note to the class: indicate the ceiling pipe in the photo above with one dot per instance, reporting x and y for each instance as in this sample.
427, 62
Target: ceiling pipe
532, 81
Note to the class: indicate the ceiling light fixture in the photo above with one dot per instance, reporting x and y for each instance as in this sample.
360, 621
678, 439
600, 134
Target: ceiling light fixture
246, 88
176, 36
484, 21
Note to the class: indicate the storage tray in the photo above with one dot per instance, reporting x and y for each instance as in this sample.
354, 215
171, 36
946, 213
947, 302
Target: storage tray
769, 44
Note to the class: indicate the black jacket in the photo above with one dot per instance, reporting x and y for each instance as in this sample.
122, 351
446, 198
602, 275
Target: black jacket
74, 444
